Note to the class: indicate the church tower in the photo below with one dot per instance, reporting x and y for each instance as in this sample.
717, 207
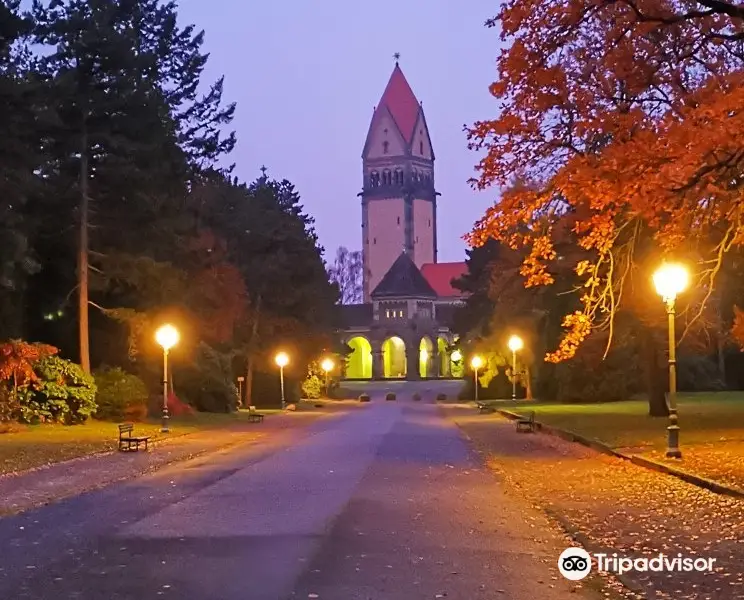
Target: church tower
399, 202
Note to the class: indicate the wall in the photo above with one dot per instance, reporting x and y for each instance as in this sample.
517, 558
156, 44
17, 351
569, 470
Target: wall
384, 238
423, 232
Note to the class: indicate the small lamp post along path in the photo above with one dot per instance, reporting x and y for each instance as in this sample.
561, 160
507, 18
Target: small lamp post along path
167, 336
240, 390
515, 344
327, 365
282, 360
669, 280
476, 362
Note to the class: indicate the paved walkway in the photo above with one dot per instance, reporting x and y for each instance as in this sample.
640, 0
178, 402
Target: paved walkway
382, 503
620, 506
22, 491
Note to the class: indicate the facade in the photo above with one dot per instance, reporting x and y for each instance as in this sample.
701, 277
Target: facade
402, 328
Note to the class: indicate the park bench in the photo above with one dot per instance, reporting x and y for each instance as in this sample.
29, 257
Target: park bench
526, 425
129, 442
254, 416
484, 408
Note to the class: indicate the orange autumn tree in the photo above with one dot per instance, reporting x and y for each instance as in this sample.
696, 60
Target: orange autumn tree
625, 118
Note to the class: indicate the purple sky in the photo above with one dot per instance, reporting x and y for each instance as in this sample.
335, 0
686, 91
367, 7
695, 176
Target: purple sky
306, 76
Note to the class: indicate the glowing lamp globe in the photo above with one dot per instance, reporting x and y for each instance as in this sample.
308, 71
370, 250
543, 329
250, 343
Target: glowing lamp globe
282, 360
167, 336
326, 365
515, 343
456, 356
476, 362
670, 279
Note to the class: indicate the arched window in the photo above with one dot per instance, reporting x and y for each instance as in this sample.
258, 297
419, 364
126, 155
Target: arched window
385, 147
421, 147
374, 179
386, 177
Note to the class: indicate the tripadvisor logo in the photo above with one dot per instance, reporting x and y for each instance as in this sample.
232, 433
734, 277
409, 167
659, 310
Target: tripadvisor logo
576, 563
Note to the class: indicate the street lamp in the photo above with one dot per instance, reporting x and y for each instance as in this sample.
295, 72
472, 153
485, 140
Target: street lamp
167, 336
240, 390
671, 279
515, 344
476, 362
327, 365
282, 360
456, 356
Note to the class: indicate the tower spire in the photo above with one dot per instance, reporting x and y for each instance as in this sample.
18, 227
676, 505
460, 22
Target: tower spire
396, 56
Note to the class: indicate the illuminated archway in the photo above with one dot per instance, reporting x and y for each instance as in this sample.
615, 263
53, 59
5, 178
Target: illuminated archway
444, 359
359, 362
394, 358
426, 351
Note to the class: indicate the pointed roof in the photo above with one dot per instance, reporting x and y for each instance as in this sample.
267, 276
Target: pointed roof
403, 280
441, 275
400, 100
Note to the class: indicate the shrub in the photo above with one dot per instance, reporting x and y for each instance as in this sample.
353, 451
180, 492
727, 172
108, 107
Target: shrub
312, 386
208, 382
63, 393
417, 397
364, 398
441, 397
17, 375
121, 395
390, 396
698, 374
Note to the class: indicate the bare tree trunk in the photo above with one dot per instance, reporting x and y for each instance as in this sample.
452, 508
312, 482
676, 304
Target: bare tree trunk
249, 358
527, 383
655, 375
83, 270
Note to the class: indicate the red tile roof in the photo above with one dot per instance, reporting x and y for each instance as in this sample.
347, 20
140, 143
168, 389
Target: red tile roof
400, 100
440, 276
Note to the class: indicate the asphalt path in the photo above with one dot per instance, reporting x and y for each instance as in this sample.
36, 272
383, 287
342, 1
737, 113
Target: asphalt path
385, 502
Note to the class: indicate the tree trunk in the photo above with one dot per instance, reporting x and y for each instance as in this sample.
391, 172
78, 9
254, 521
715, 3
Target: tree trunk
83, 270
249, 358
527, 383
721, 355
655, 376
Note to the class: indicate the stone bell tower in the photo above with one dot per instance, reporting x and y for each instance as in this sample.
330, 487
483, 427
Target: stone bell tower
399, 202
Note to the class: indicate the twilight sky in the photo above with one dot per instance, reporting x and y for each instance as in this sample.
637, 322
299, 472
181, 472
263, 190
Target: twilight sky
306, 75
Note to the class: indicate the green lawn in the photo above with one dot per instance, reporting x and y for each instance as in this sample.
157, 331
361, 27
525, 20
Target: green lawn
704, 418
37, 445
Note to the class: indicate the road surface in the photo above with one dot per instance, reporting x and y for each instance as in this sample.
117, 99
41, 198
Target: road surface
384, 502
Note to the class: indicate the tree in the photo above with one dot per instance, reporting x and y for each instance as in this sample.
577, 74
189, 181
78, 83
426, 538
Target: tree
133, 130
623, 117
347, 273
19, 158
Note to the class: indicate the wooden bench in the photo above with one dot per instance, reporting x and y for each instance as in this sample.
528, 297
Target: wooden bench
484, 408
254, 416
526, 425
129, 442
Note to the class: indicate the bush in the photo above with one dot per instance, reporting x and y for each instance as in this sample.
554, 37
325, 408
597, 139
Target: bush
312, 387
698, 374
208, 383
417, 397
364, 398
441, 397
121, 396
390, 396
63, 393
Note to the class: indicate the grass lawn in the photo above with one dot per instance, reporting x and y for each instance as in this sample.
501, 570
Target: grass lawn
704, 418
37, 445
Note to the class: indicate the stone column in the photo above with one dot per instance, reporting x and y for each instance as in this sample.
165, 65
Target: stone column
412, 361
378, 370
434, 364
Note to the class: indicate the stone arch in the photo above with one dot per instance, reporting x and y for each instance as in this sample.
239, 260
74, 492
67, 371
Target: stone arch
359, 362
444, 357
394, 358
426, 355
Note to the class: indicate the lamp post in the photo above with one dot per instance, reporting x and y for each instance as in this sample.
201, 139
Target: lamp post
515, 344
240, 390
327, 366
282, 360
670, 280
167, 336
476, 363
